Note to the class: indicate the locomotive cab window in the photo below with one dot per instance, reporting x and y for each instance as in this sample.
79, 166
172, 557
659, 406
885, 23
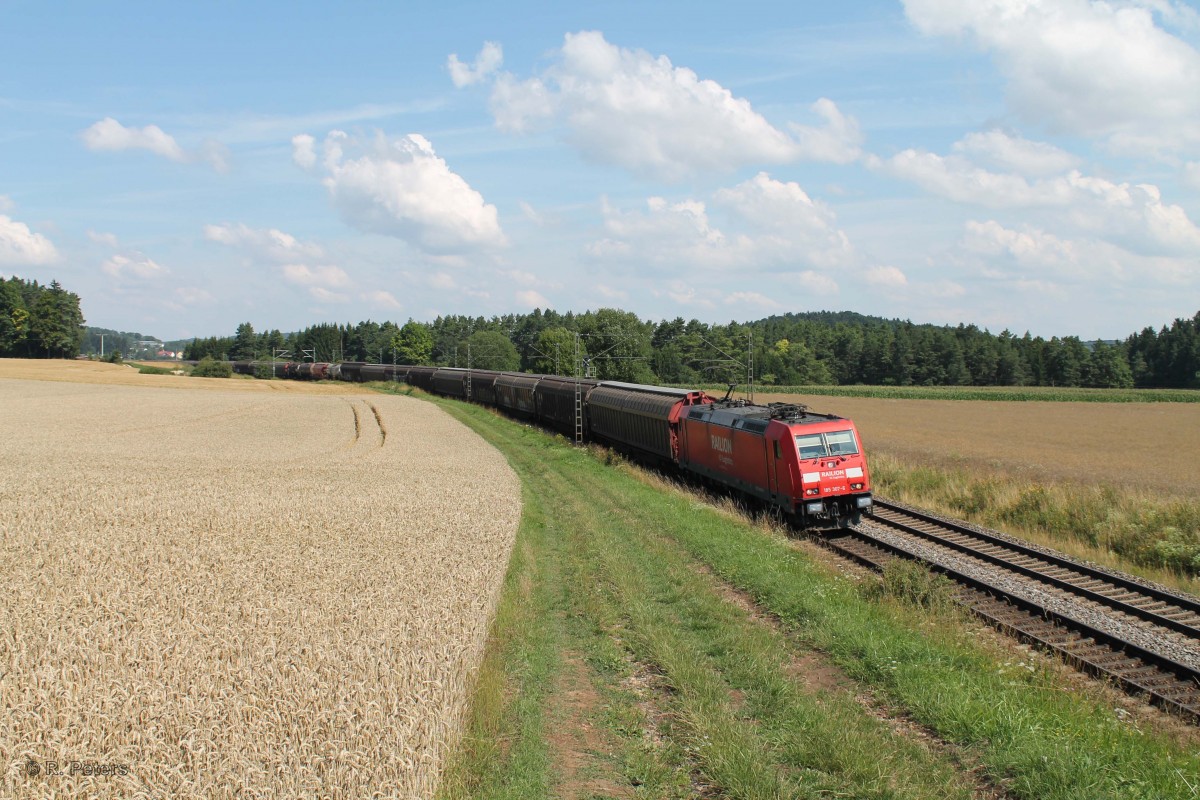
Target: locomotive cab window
833, 443
841, 443
811, 445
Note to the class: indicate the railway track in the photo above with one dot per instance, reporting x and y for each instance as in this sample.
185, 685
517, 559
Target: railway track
1142, 637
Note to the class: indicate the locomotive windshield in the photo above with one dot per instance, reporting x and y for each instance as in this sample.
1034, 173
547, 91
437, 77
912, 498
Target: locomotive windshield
832, 443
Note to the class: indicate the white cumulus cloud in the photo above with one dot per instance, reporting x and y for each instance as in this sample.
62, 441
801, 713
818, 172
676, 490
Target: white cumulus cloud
303, 153
763, 224
106, 239
1090, 67
132, 267
263, 244
328, 276
531, 299
326, 296
488, 61
382, 299
1030, 256
400, 187
19, 246
109, 135
886, 276
643, 113
1003, 151
1031, 247
666, 234
1133, 214
839, 140
795, 222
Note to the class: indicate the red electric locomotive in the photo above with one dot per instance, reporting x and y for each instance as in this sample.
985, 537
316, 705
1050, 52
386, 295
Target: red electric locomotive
811, 466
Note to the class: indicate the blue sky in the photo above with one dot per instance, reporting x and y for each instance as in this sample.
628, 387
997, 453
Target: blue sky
1017, 164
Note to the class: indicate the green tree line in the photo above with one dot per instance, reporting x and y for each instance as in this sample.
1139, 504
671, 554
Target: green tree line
39, 321
789, 349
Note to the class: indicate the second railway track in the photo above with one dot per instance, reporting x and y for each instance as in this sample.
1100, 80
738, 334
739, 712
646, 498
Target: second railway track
1143, 637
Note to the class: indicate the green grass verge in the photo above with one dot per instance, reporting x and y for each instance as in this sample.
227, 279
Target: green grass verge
503, 753
615, 563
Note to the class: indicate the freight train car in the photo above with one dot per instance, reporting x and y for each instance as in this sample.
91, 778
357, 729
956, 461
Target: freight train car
515, 393
421, 377
481, 384
556, 401
644, 419
450, 382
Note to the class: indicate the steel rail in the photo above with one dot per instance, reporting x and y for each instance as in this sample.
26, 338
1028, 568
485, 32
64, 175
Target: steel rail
893, 516
1166, 682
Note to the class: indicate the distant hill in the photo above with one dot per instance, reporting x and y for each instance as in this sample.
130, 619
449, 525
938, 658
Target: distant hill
827, 318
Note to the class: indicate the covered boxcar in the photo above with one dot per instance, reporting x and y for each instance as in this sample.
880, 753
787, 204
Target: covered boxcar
421, 377
642, 418
515, 393
375, 372
556, 397
350, 371
482, 385
450, 382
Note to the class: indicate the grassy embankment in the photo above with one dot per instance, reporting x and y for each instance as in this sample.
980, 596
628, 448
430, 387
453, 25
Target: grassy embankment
621, 590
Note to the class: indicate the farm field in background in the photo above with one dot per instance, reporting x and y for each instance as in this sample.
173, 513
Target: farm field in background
1048, 394
1133, 445
100, 373
255, 589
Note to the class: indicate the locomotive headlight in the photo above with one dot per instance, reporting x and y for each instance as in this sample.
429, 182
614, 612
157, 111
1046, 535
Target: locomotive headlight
812, 491
813, 508
856, 486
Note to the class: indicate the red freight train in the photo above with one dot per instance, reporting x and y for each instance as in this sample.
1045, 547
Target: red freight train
808, 465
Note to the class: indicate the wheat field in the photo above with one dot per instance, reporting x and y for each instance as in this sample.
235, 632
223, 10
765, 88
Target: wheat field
229, 593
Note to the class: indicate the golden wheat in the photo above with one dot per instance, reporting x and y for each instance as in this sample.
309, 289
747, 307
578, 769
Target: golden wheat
99, 372
239, 595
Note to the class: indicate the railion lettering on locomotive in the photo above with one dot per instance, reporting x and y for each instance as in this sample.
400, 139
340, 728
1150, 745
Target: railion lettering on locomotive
721, 444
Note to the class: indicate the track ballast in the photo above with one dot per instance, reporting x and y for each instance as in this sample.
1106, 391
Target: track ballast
1143, 637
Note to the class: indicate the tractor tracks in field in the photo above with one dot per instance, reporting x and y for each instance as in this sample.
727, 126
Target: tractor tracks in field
359, 425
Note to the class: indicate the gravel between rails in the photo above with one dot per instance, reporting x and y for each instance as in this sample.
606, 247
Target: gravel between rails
1165, 643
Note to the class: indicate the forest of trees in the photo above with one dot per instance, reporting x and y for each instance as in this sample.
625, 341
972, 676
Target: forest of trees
39, 321
807, 348
791, 349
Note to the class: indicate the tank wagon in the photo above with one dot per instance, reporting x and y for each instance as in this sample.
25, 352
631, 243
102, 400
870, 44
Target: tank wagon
809, 466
